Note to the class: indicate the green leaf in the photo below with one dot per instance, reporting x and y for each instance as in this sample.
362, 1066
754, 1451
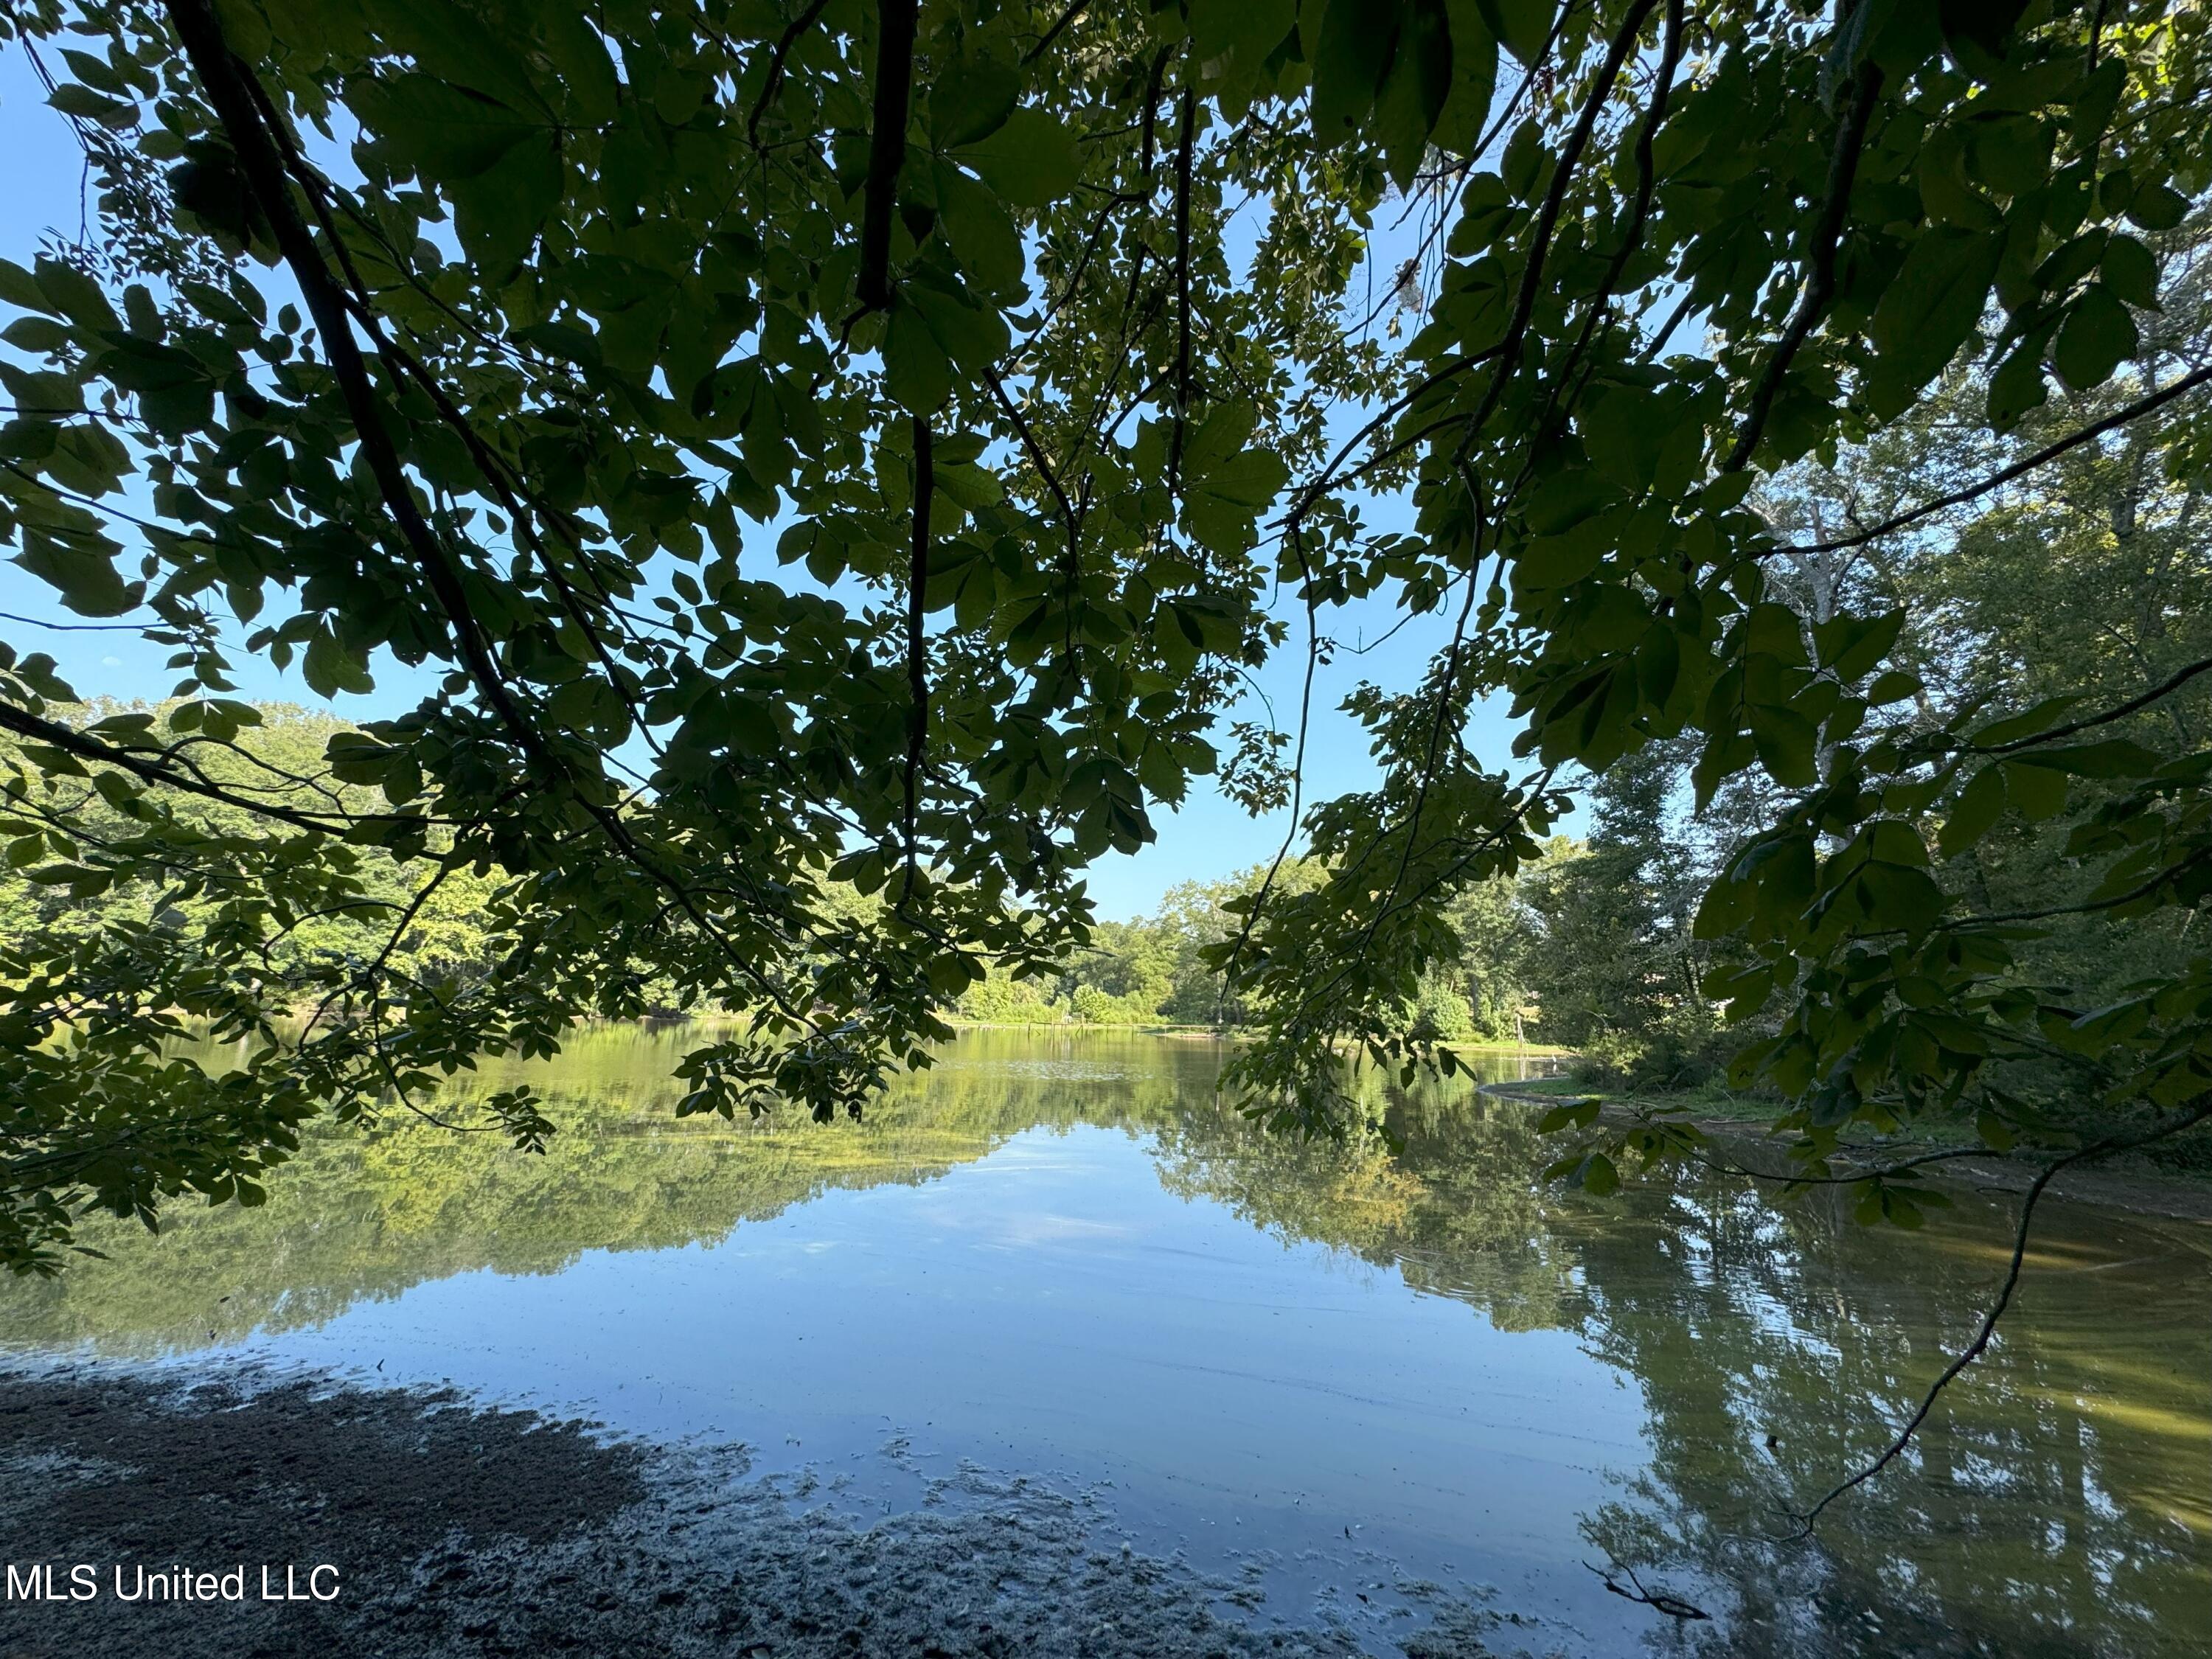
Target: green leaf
2158, 207
1774, 630
1031, 160
1787, 744
74, 294
2041, 718
86, 105
1415, 90
970, 101
973, 335
587, 75
442, 132
1982, 25
1975, 811
1358, 38
1251, 479
2039, 792
2099, 334
2017, 387
2114, 758
83, 575
1571, 1114
982, 234
2129, 270
1933, 303
2010, 153
499, 211
331, 668
1250, 28
1522, 26
1525, 161
1621, 429
1851, 647
19, 288
916, 372
1566, 498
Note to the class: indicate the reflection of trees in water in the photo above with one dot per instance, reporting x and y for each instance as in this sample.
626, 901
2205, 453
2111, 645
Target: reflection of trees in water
1455, 1209
365, 1216
2058, 1507
2045, 1511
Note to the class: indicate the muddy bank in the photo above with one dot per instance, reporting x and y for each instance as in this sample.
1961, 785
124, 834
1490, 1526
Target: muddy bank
455, 1530
2121, 1184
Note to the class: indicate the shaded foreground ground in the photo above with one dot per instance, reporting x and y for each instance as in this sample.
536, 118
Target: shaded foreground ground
458, 1531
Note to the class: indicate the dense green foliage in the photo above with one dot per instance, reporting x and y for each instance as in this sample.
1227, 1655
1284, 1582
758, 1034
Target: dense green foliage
1165, 969
848, 448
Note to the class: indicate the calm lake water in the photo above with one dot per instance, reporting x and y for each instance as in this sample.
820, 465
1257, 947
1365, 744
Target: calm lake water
1349, 1380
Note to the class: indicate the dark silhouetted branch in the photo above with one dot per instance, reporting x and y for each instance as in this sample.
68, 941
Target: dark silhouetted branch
895, 31
1180, 431
917, 644
1997, 480
781, 50
1819, 261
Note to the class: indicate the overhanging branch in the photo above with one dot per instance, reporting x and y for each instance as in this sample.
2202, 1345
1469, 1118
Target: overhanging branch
917, 646
1820, 262
895, 31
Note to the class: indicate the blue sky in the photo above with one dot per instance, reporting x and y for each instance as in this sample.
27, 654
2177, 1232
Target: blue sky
1210, 837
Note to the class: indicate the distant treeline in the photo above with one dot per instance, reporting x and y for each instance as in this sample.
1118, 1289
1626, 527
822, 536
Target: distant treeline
1592, 948
1152, 971
1163, 968
1588, 948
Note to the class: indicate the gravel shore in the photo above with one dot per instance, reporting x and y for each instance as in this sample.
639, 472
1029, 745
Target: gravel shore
454, 1529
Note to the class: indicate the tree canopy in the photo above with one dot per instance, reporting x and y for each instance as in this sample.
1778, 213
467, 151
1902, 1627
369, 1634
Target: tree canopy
841, 458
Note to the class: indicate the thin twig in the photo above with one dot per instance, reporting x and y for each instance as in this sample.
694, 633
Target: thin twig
2042, 457
917, 645
1659, 1602
784, 43
1052, 34
2171, 683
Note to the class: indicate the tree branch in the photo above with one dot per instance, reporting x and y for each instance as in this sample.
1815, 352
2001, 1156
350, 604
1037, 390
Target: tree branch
1670, 57
1548, 218
54, 735
1820, 261
1177, 436
917, 645
769, 87
2042, 457
1045, 41
2171, 683
226, 82
895, 31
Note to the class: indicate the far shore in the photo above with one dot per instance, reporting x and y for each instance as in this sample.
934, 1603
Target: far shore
1745, 1140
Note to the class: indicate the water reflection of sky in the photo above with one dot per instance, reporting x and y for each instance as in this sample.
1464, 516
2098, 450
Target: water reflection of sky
1050, 1309
1339, 1376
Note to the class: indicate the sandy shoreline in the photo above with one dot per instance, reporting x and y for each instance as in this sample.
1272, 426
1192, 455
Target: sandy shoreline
456, 1529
